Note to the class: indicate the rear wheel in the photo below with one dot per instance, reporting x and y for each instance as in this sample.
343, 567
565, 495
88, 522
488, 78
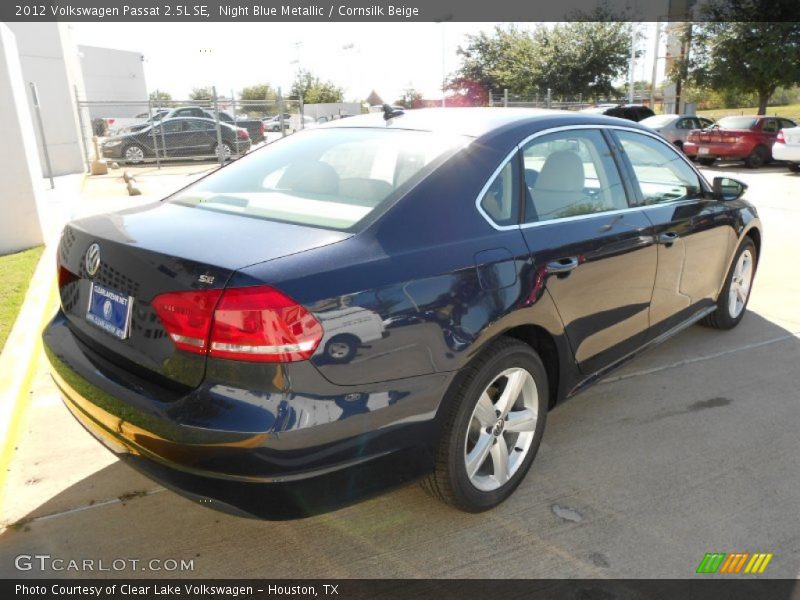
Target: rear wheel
706, 162
223, 149
794, 167
494, 422
758, 158
342, 348
733, 299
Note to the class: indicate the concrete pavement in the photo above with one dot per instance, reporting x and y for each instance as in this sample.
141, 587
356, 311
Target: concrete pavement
692, 448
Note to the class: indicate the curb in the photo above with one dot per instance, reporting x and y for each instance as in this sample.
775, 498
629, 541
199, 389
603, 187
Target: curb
19, 367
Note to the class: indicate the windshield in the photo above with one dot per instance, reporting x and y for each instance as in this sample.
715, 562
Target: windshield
331, 178
736, 123
657, 121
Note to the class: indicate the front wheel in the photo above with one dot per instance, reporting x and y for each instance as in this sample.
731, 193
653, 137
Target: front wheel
493, 424
733, 299
794, 167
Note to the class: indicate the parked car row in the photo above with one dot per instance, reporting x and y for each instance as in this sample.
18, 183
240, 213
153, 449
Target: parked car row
756, 140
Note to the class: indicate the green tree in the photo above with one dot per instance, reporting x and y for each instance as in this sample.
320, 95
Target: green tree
731, 51
160, 96
201, 93
494, 60
315, 91
258, 98
581, 57
411, 98
574, 58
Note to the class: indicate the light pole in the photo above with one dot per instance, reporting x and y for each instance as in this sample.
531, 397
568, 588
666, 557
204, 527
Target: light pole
441, 22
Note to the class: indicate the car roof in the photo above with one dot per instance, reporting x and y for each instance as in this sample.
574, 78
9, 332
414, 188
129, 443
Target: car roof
475, 121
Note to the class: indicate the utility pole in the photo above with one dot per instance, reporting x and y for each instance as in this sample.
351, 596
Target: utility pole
631, 64
656, 46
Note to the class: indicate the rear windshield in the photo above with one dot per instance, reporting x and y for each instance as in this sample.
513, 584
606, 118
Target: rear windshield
332, 178
736, 123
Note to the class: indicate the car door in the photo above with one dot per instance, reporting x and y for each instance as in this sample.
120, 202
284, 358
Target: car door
201, 136
595, 252
173, 138
682, 128
694, 232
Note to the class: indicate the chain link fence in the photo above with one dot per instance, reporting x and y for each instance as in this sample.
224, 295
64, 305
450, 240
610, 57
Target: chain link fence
547, 100
217, 128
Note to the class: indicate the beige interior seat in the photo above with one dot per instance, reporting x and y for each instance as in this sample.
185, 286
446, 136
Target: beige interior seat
560, 184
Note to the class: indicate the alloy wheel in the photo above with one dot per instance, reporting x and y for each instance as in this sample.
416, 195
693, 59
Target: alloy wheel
501, 429
134, 154
740, 284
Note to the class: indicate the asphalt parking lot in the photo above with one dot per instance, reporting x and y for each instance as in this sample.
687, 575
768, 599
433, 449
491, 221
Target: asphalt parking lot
691, 448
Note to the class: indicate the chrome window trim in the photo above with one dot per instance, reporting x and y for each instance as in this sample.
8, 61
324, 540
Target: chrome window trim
486, 187
518, 148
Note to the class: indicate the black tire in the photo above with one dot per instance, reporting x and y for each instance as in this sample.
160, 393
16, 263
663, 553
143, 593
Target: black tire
678, 145
341, 348
794, 167
758, 158
450, 482
706, 162
137, 150
722, 318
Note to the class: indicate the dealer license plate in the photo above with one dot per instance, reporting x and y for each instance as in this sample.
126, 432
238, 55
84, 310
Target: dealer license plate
110, 310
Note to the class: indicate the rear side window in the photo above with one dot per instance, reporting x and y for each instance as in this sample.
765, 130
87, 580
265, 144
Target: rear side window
500, 200
770, 126
662, 174
568, 174
332, 178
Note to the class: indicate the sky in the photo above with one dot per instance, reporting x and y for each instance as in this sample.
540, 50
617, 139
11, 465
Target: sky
360, 57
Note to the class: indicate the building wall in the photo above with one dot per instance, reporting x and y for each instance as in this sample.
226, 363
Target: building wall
20, 171
113, 76
331, 109
49, 59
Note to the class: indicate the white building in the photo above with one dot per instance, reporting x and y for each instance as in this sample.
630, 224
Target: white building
113, 76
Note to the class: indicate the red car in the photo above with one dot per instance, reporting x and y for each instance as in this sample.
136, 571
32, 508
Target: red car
746, 138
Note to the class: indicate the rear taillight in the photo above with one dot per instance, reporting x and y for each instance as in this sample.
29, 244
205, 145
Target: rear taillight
780, 139
261, 127
258, 324
242, 134
187, 317
731, 139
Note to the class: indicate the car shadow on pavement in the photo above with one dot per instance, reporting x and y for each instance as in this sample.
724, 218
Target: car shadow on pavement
637, 477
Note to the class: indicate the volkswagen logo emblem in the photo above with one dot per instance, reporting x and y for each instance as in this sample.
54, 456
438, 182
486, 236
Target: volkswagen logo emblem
92, 260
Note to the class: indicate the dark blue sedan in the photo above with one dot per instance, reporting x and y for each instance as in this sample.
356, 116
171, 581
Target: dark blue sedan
388, 297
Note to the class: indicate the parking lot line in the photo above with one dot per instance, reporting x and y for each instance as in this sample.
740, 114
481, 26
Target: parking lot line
696, 359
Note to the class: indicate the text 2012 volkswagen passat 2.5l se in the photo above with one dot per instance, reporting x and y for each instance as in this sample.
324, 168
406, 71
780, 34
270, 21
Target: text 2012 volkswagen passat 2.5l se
388, 297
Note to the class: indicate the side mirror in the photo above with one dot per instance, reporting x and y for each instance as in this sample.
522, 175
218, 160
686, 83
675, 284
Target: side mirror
726, 188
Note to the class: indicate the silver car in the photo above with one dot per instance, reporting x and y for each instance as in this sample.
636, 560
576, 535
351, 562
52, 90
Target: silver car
676, 128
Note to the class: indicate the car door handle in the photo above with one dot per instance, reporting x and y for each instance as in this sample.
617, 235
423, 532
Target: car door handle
562, 265
667, 238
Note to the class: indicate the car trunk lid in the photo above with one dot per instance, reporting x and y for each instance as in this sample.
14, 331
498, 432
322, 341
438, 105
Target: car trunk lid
156, 249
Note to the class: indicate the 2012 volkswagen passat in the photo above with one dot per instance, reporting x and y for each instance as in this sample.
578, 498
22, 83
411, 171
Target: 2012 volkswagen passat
387, 297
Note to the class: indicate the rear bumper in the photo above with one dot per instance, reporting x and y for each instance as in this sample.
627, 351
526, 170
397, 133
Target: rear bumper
718, 150
243, 449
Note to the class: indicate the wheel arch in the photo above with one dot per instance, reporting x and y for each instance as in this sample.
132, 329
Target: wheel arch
544, 344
